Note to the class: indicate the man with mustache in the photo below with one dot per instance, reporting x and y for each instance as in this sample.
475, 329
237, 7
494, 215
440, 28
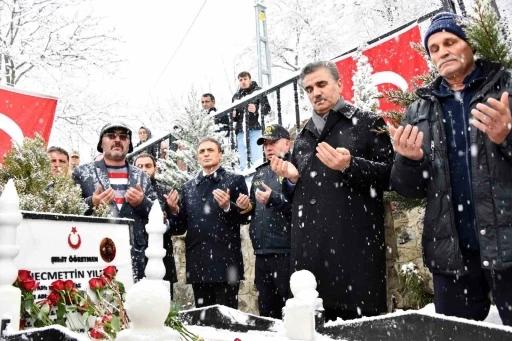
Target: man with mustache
270, 215
454, 148
338, 171
126, 188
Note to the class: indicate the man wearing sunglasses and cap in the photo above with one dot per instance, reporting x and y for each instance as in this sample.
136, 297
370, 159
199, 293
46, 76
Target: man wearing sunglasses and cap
126, 188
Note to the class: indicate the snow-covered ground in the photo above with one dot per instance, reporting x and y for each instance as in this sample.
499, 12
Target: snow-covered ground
212, 334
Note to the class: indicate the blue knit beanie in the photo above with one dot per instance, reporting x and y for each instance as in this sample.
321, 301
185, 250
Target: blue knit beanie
445, 22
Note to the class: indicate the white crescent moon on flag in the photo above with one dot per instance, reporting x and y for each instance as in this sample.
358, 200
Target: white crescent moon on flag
11, 128
391, 78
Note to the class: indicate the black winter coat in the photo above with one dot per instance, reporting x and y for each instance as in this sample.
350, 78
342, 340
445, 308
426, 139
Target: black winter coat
222, 122
338, 217
270, 228
170, 267
213, 242
90, 175
261, 103
491, 168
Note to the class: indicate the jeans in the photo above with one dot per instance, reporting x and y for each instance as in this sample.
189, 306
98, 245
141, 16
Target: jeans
256, 151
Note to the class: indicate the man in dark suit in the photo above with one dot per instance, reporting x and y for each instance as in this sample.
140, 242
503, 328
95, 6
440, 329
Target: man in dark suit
208, 213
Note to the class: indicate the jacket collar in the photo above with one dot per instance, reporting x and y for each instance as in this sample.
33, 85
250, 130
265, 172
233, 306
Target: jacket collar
489, 70
347, 111
103, 180
215, 176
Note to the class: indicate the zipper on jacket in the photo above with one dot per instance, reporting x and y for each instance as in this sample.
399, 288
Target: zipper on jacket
432, 147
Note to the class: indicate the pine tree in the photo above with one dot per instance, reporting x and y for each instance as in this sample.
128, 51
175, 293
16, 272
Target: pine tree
38, 187
365, 92
487, 34
190, 128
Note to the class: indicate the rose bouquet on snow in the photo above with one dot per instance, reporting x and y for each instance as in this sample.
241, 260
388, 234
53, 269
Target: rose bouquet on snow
99, 310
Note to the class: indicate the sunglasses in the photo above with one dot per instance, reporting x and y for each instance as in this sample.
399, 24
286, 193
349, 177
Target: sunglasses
112, 136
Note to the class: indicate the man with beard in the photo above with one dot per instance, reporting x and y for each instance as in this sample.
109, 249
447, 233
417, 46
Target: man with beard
124, 187
454, 148
246, 120
148, 164
270, 216
208, 213
338, 171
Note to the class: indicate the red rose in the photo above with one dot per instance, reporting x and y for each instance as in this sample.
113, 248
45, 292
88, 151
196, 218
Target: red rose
29, 284
57, 286
110, 271
54, 298
237, 339
69, 285
22, 324
96, 334
96, 283
107, 318
23, 275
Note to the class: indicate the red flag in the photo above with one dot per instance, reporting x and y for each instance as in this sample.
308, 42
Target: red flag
394, 63
23, 114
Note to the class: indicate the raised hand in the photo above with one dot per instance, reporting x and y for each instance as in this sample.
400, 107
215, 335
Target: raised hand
251, 108
337, 159
134, 196
493, 119
263, 196
100, 196
407, 141
172, 201
222, 198
243, 201
285, 169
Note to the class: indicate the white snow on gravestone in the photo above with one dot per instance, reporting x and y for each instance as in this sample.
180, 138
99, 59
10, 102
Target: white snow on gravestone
299, 312
147, 305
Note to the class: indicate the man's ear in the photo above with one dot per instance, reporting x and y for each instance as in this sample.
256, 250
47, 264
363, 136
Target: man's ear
340, 85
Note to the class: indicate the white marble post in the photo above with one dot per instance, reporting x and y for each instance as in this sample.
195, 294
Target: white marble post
300, 311
155, 252
148, 301
10, 218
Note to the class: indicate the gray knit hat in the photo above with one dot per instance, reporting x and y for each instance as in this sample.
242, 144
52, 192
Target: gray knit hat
446, 22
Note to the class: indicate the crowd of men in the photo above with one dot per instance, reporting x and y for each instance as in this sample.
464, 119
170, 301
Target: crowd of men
320, 206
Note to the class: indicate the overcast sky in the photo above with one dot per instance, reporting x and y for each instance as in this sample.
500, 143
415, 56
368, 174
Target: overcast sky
152, 31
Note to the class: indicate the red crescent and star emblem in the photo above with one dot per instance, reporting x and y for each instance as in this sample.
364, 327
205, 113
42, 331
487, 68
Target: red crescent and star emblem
77, 245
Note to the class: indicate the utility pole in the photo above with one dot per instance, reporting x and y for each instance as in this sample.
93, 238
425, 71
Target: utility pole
448, 5
462, 8
263, 51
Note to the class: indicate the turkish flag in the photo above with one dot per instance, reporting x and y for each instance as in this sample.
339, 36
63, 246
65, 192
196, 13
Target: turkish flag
395, 63
23, 114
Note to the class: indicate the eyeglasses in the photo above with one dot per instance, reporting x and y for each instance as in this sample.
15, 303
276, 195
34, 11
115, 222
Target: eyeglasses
112, 136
